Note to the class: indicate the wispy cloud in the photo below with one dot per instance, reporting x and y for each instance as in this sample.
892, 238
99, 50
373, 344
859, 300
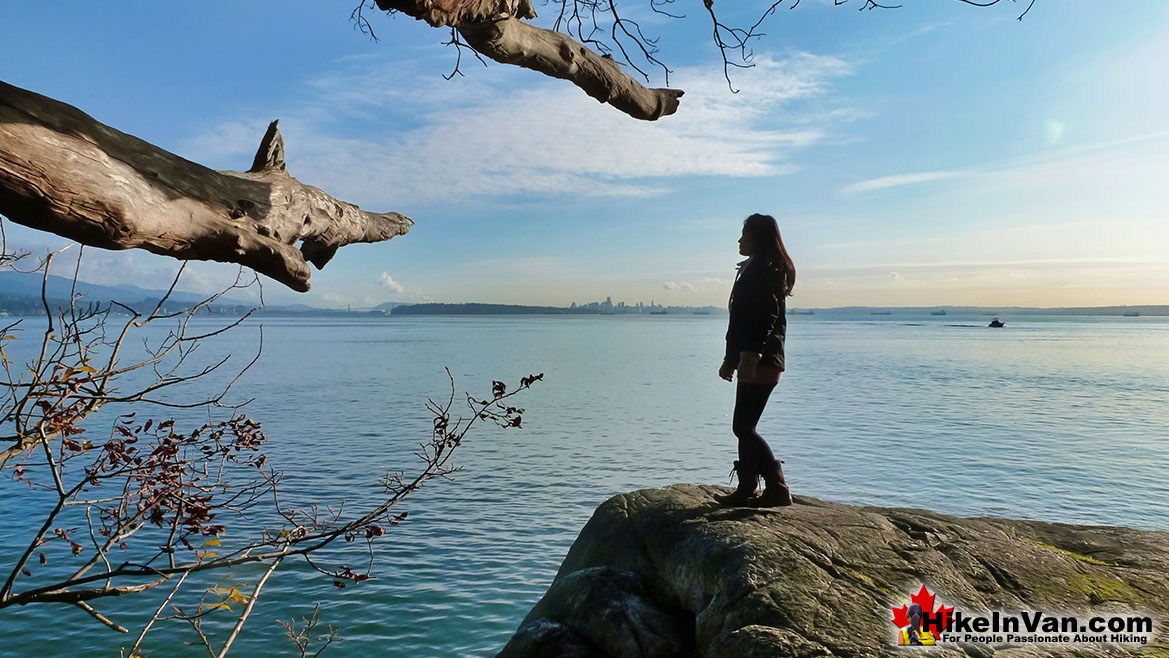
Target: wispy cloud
394, 136
1076, 159
898, 180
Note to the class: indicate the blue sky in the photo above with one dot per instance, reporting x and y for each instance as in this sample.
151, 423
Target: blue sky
935, 154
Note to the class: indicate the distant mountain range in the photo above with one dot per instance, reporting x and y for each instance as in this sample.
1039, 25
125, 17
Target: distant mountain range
60, 288
20, 294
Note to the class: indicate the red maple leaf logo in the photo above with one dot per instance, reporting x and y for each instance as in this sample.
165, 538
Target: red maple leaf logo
926, 601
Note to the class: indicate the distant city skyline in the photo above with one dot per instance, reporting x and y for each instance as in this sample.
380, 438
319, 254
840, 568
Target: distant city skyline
609, 304
939, 154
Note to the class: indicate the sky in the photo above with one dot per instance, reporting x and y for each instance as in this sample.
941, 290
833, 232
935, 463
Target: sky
936, 154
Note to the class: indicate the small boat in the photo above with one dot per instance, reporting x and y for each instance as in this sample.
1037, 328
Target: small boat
996, 324
880, 312
939, 312
1132, 314
701, 311
661, 312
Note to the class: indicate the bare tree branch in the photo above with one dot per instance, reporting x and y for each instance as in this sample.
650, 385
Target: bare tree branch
247, 609
100, 617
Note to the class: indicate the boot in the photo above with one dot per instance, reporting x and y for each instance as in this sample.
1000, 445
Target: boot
776, 494
748, 481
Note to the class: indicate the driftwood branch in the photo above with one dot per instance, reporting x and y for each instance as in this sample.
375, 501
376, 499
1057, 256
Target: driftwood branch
512, 41
64, 172
496, 29
591, 44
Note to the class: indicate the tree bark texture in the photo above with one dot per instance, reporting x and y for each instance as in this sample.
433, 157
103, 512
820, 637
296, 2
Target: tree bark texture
64, 172
495, 28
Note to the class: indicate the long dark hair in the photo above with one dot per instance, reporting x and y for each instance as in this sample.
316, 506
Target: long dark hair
764, 232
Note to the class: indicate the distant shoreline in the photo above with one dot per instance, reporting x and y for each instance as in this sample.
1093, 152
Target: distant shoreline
474, 308
22, 306
20, 296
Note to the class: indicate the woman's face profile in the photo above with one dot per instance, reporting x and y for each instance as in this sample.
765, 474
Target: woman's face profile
746, 244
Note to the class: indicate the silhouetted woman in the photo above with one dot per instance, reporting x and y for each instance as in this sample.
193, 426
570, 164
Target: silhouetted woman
755, 349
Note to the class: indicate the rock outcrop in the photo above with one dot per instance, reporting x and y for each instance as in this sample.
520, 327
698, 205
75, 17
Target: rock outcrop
670, 573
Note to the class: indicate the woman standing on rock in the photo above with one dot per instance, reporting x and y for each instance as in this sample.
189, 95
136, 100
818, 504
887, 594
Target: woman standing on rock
755, 349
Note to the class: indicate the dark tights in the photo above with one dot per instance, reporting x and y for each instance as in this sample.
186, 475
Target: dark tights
750, 399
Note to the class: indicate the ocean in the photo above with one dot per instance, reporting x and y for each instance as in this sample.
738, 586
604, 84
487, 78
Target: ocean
1053, 418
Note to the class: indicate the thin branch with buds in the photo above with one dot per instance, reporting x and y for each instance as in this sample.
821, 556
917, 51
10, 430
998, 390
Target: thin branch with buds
152, 505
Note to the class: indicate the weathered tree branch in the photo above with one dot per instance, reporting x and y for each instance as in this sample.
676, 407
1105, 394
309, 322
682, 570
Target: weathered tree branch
455, 13
585, 38
512, 41
495, 28
64, 172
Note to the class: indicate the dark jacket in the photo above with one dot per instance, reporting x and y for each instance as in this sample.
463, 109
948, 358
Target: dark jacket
758, 312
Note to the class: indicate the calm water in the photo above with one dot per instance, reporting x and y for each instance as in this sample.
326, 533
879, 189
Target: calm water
1056, 419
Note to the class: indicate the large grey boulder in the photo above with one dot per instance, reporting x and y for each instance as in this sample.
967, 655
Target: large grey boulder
670, 573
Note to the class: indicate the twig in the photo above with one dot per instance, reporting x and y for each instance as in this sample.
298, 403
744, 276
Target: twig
100, 617
248, 609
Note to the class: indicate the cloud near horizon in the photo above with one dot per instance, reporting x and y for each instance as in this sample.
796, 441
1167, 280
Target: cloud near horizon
702, 285
388, 282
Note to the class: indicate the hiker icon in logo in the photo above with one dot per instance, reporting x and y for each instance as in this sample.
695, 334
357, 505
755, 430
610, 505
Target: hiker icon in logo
913, 635
920, 624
